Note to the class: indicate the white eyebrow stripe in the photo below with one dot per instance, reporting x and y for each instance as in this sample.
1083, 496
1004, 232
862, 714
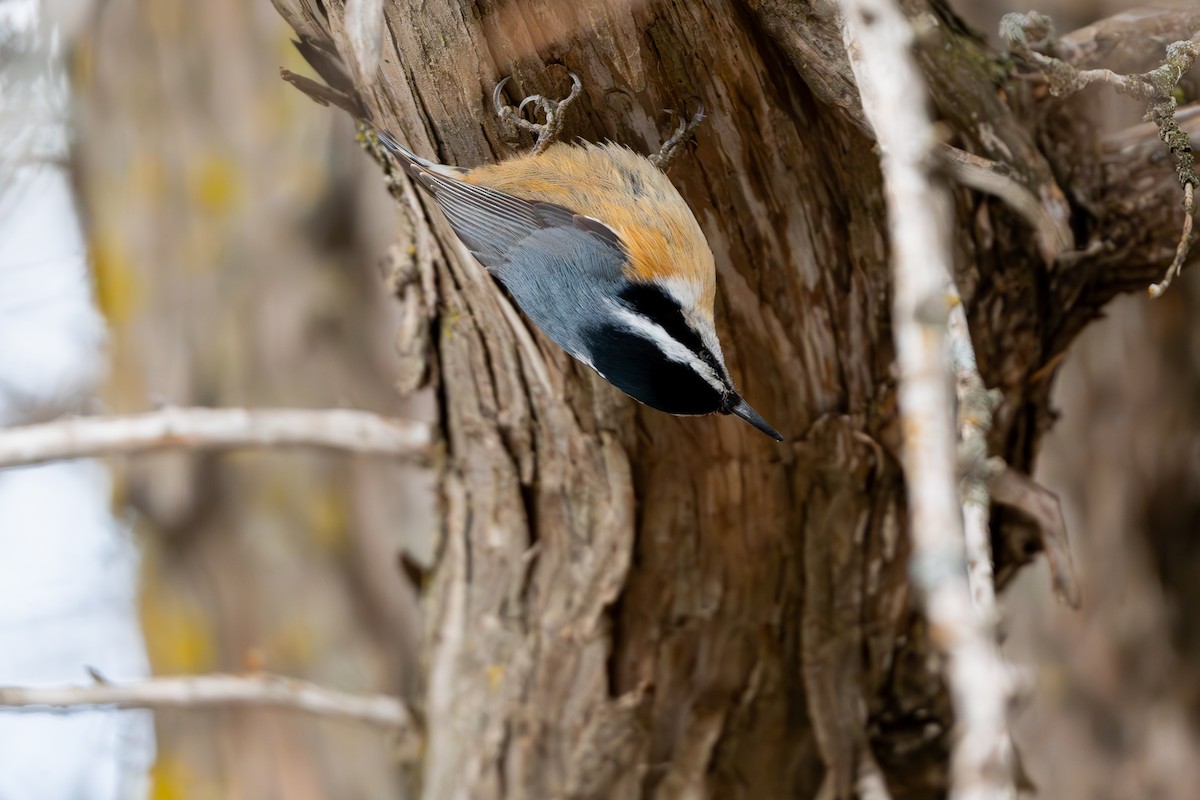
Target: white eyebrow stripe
671, 347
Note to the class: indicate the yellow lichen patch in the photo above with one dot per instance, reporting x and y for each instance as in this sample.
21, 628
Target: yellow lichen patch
118, 292
329, 520
179, 637
214, 184
495, 675
82, 63
171, 778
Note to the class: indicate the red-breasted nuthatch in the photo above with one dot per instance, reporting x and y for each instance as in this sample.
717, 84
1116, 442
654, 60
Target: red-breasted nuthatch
602, 253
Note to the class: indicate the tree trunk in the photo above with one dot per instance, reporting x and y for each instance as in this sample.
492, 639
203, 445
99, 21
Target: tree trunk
630, 604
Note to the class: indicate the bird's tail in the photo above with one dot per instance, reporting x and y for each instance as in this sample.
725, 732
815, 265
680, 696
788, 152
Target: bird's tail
413, 164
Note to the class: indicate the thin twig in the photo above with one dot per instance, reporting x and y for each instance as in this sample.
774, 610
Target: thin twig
339, 429
1185, 241
210, 691
895, 98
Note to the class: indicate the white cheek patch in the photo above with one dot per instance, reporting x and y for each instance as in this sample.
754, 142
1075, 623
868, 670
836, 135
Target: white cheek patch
669, 346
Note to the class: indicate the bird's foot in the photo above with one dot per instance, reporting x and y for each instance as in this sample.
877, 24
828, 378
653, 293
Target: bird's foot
670, 149
552, 111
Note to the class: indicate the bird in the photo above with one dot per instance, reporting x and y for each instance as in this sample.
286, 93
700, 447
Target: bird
598, 248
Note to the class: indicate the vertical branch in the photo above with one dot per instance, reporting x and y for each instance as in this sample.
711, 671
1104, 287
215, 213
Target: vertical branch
878, 40
975, 404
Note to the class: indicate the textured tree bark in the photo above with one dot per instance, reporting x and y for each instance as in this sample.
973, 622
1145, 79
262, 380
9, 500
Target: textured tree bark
628, 604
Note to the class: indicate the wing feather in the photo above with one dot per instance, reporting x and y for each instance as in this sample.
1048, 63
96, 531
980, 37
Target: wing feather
497, 227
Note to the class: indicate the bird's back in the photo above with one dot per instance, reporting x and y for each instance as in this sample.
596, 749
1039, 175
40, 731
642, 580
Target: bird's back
628, 194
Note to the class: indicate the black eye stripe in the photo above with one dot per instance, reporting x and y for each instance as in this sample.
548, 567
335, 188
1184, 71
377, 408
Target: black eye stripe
659, 307
638, 367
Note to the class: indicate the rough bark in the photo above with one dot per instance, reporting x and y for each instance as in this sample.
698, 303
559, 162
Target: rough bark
628, 604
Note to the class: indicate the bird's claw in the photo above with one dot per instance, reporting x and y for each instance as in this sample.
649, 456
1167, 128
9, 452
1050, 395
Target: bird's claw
535, 98
670, 148
552, 112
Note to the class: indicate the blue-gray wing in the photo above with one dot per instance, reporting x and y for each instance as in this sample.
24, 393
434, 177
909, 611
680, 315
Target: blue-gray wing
495, 226
505, 232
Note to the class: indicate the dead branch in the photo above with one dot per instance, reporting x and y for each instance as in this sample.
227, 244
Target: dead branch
339, 429
1054, 235
1185, 241
1010, 488
975, 406
894, 96
320, 93
1031, 36
1128, 41
214, 691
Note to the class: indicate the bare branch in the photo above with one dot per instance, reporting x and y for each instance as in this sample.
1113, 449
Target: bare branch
975, 406
1185, 241
1128, 41
1054, 235
340, 429
211, 691
895, 99
320, 93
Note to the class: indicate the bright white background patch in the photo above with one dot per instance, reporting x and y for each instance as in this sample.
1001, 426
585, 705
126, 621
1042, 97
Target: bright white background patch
68, 569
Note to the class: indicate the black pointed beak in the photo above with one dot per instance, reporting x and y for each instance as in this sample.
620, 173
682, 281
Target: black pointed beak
743, 410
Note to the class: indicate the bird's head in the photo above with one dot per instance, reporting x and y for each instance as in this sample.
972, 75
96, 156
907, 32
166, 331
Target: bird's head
660, 351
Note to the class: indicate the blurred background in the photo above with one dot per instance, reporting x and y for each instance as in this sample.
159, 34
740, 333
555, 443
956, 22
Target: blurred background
231, 233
